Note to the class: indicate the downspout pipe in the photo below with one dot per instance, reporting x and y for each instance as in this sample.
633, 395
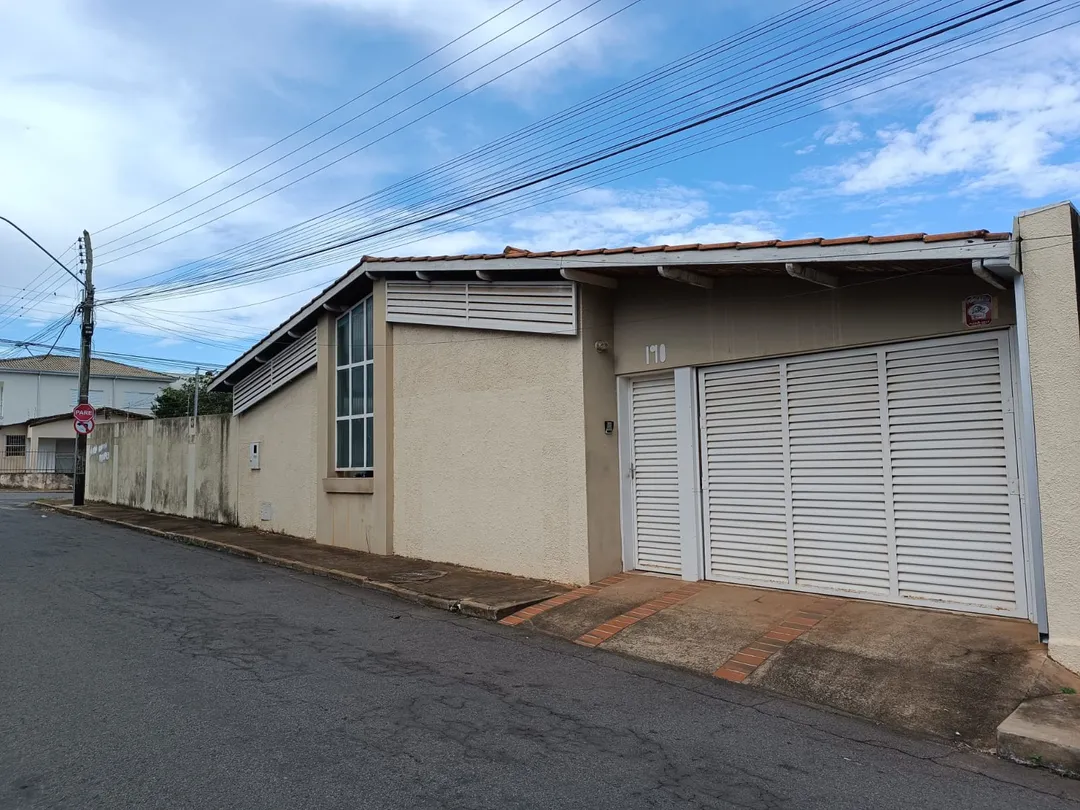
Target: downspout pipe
1030, 459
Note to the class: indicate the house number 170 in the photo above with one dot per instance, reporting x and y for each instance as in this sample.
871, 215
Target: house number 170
656, 353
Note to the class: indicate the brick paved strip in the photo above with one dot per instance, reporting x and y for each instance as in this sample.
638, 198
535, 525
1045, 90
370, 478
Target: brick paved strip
598, 635
753, 655
533, 611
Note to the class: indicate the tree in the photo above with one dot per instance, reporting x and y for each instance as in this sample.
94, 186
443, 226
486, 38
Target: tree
181, 401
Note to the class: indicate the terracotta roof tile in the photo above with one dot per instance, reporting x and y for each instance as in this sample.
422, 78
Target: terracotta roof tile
511, 252
845, 240
799, 242
61, 364
945, 237
900, 237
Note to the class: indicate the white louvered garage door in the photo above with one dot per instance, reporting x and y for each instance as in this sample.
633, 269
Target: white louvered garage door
887, 472
655, 475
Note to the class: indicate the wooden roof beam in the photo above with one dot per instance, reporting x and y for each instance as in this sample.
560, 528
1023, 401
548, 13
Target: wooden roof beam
686, 277
812, 274
585, 277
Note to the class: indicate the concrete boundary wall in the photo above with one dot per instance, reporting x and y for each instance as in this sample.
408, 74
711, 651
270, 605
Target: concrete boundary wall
163, 465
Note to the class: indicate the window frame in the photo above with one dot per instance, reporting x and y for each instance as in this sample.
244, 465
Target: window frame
357, 327
8, 446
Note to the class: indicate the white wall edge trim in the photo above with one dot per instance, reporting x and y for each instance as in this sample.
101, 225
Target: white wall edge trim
626, 494
687, 437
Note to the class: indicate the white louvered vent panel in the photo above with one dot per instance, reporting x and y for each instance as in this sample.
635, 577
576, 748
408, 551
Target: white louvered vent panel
286, 366
743, 474
837, 473
656, 475
544, 308
951, 473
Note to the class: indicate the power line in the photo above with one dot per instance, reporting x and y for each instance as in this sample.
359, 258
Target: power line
321, 118
112, 355
370, 128
590, 104
788, 86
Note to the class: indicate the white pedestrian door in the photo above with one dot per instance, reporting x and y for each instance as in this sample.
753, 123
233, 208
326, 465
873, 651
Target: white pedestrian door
887, 472
654, 474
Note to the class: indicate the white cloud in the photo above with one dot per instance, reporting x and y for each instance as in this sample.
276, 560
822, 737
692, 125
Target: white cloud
102, 118
840, 133
437, 22
1012, 132
672, 215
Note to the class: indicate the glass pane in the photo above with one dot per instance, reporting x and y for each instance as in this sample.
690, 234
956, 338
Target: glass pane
343, 443
343, 340
369, 424
367, 320
358, 334
357, 442
358, 390
370, 368
343, 392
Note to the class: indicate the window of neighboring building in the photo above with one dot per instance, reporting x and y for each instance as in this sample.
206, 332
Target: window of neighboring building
355, 401
139, 400
97, 398
15, 446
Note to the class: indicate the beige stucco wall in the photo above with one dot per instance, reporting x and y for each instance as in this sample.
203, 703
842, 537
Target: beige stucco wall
489, 451
285, 425
596, 307
211, 465
746, 317
1048, 256
155, 465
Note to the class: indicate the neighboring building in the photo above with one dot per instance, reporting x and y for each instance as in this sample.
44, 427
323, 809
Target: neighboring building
47, 444
891, 418
32, 387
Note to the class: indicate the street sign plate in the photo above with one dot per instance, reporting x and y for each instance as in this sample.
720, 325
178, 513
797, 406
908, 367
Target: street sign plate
84, 412
85, 428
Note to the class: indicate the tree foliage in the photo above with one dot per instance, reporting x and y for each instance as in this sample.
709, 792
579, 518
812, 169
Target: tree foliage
181, 401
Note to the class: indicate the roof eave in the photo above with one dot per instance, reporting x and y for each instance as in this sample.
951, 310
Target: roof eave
861, 252
145, 377
310, 311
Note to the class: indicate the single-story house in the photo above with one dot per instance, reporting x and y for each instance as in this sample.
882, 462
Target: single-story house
892, 418
47, 443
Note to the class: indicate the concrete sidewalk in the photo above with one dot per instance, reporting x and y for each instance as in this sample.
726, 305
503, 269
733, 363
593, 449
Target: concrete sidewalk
482, 594
950, 675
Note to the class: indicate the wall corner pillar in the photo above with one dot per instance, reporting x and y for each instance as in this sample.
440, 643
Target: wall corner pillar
1047, 240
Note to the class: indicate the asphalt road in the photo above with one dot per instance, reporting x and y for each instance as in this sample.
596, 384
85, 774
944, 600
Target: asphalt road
135, 673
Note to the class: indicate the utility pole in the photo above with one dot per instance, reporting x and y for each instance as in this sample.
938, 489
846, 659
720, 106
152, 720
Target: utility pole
79, 489
197, 382
79, 493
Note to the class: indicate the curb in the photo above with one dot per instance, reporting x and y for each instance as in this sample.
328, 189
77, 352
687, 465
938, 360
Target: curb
466, 607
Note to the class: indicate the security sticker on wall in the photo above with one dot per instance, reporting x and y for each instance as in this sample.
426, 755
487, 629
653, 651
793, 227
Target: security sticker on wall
978, 310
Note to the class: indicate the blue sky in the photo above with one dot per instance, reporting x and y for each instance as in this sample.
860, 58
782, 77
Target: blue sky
112, 106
